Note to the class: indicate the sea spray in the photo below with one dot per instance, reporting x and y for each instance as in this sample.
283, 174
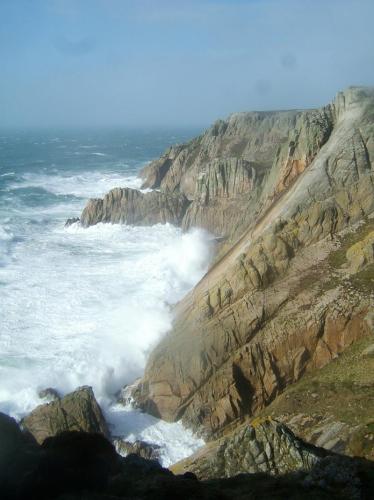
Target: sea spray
91, 303
83, 306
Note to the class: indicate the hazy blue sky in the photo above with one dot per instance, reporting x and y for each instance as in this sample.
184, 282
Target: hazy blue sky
77, 62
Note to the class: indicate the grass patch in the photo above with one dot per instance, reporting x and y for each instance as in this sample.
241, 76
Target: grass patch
338, 257
343, 389
364, 280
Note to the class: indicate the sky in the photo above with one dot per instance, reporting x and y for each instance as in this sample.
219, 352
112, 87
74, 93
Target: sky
176, 62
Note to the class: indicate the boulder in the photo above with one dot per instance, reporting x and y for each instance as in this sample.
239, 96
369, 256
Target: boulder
140, 448
77, 411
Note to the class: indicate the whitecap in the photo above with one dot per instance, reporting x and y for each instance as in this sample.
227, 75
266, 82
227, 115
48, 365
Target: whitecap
85, 184
175, 441
86, 306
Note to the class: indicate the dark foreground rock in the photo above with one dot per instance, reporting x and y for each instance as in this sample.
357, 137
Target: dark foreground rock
77, 411
77, 465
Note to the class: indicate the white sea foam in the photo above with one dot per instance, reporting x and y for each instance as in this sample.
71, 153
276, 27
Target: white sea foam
85, 306
175, 441
5, 234
87, 184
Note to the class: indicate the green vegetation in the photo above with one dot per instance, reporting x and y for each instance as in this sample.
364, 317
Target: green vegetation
342, 390
338, 257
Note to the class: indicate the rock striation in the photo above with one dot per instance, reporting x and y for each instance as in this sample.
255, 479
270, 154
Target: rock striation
263, 446
292, 195
77, 411
282, 299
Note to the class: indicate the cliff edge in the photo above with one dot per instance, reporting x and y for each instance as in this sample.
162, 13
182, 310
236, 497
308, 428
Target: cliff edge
293, 193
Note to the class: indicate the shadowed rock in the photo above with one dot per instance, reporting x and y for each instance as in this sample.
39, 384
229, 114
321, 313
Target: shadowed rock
76, 465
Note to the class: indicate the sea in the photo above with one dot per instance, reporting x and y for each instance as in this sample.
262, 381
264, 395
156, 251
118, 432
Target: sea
84, 306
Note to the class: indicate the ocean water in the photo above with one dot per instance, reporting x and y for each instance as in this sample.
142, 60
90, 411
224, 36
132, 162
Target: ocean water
85, 306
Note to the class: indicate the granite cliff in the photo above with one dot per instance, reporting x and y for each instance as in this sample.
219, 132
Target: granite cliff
291, 193
295, 288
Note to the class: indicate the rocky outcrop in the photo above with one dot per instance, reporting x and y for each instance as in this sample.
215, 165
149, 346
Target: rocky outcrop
268, 446
282, 301
140, 448
71, 221
333, 407
77, 465
234, 172
129, 206
361, 254
78, 411
238, 166
49, 394
263, 446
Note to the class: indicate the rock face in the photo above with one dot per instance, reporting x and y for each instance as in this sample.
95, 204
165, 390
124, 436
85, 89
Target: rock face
130, 206
263, 446
283, 300
78, 411
361, 254
236, 168
333, 407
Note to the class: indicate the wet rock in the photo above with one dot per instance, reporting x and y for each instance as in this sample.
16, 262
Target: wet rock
138, 447
71, 221
78, 411
50, 394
